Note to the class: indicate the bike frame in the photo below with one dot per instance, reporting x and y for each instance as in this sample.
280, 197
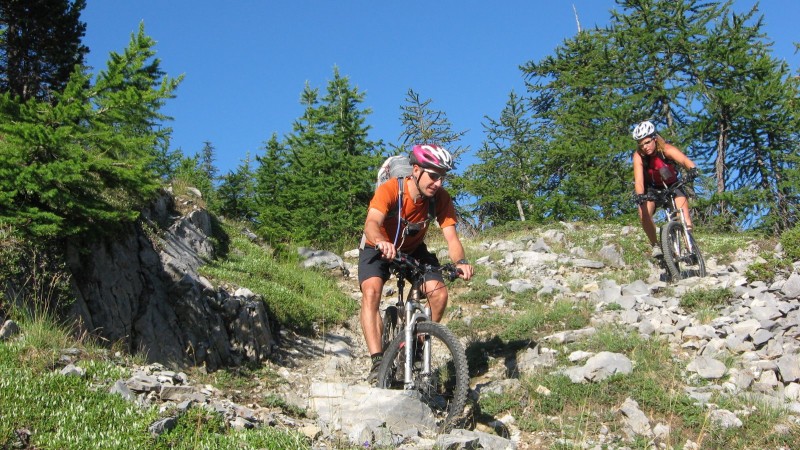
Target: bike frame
414, 312
414, 309
674, 214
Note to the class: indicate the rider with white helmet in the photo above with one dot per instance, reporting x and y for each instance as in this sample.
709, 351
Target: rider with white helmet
644, 130
654, 166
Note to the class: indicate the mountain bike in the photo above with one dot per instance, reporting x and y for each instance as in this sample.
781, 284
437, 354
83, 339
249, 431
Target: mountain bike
682, 256
436, 367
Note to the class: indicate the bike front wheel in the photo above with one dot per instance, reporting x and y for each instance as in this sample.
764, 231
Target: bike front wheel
682, 255
444, 387
389, 326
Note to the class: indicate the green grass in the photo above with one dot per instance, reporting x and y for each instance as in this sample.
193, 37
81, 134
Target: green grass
724, 246
71, 412
529, 319
63, 411
200, 428
297, 299
706, 299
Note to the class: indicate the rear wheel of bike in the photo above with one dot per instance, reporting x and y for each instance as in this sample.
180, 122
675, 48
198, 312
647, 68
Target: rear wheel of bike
444, 389
679, 259
389, 326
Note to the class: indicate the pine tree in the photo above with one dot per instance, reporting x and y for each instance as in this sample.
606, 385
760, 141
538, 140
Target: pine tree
271, 198
166, 160
84, 162
236, 193
506, 181
328, 168
207, 158
40, 46
421, 125
747, 124
579, 105
703, 75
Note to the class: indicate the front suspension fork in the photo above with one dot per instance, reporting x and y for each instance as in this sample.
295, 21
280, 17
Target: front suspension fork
414, 315
679, 214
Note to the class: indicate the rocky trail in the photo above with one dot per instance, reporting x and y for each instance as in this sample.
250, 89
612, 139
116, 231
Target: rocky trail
759, 328
317, 385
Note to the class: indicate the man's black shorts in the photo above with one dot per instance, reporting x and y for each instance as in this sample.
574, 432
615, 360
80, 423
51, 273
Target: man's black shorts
370, 264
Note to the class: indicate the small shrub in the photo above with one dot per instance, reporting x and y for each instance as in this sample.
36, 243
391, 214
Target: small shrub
275, 401
763, 271
480, 292
706, 298
495, 404
790, 241
768, 269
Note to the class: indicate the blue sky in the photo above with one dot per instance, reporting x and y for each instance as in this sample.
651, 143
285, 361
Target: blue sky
246, 63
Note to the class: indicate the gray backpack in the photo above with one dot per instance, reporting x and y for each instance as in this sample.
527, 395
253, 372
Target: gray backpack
394, 167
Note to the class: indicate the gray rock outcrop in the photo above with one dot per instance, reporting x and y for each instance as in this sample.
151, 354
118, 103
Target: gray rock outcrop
141, 288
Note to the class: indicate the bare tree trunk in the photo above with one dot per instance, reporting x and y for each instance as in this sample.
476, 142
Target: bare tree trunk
719, 164
521, 212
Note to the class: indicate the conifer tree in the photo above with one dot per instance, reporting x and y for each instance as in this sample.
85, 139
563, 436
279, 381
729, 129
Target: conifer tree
236, 193
506, 182
422, 124
703, 75
327, 171
579, 106
84, 162
747, 127
207, 158
40, 46
271, 199
166, 161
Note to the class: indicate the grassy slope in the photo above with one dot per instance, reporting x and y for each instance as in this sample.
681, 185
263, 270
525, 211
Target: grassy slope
63, 412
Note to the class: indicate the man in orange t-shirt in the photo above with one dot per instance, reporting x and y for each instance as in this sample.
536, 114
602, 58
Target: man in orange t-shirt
387, 233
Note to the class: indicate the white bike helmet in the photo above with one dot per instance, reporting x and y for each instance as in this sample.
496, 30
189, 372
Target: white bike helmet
643, 130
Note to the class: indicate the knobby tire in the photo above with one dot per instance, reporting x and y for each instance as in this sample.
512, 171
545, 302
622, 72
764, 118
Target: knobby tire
681, 263
389, 326
446, 392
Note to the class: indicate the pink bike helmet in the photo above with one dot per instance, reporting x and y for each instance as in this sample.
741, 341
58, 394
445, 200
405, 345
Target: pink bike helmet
431, 156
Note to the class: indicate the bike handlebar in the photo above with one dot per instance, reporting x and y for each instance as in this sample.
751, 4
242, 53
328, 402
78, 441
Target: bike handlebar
404, 261
662, 195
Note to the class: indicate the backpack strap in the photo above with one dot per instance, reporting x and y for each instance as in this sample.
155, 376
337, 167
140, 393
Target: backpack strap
401, 185
400, 188
432, 209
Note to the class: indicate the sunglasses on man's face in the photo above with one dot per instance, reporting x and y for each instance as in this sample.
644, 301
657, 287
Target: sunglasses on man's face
435, 176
